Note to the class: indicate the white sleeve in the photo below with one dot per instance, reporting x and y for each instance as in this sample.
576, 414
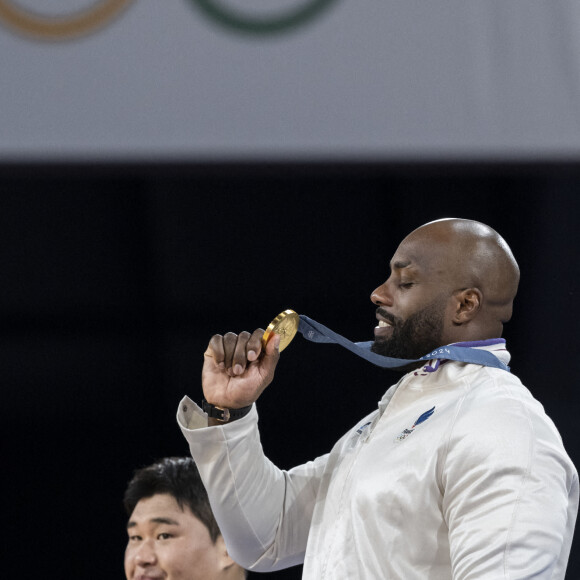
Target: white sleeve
264, 513
510, 494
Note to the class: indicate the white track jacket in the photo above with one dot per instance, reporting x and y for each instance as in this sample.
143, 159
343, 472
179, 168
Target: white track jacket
459, 474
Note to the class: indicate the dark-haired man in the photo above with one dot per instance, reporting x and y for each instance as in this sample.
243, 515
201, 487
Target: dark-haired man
172, 532
459, 473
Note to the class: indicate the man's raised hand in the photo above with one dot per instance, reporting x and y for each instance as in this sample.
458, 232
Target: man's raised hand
237, 368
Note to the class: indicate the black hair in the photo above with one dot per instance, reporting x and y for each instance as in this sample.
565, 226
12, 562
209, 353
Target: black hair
178, 477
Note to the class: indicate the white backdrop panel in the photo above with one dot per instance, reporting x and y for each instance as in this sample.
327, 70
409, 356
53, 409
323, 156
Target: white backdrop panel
370, 79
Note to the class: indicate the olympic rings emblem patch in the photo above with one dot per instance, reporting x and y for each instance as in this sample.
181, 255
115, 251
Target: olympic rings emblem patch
47, 24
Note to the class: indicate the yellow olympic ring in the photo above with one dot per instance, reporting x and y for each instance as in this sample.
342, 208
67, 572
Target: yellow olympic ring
62, 27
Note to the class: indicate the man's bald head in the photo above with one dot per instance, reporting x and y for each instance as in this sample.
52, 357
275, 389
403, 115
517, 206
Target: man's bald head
469, 256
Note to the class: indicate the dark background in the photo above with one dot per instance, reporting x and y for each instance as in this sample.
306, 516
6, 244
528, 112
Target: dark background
114, 277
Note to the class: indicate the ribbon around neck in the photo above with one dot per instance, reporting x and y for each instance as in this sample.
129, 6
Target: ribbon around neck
316, 332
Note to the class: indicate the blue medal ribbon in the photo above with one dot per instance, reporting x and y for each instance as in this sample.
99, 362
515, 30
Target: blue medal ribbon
316, 332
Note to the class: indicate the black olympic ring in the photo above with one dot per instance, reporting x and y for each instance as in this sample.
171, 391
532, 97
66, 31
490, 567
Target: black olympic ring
236, 20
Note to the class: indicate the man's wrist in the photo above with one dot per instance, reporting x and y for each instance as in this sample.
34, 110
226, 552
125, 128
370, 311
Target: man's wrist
222, 415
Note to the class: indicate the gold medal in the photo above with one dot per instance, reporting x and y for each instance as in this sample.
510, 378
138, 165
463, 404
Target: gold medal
286, 325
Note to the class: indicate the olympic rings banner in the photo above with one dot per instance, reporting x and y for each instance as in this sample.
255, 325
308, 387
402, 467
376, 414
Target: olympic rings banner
303, 80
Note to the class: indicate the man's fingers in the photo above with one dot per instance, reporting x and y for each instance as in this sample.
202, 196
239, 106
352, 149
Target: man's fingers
230, 340
266, 365
254, 346
273, 345
240, 368
239, 359
234, 352
215, 349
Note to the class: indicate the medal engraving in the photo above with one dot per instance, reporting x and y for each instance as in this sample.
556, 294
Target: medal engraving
286, 325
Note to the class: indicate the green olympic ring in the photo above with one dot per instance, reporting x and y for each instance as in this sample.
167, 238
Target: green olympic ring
236, 20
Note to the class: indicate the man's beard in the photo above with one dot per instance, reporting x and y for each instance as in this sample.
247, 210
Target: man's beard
418, 335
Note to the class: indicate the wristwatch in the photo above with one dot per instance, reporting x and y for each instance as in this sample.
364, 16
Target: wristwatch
223, 414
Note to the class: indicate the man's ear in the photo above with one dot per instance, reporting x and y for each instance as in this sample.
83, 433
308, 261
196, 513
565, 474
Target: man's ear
225, 560
468, 303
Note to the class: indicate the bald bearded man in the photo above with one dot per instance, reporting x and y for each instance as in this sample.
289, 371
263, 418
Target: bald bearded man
459, 473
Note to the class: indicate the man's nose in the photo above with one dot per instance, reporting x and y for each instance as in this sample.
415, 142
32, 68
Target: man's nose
381, 296
145, 554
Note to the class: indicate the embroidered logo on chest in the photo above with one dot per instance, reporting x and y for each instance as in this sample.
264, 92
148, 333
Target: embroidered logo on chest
406, 432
